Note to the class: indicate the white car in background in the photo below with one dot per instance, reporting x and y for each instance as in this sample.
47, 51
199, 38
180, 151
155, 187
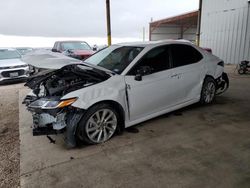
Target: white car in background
120, 86
11, 66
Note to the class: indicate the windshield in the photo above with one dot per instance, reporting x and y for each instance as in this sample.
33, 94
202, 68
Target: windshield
115, 58
75, 46
9, 54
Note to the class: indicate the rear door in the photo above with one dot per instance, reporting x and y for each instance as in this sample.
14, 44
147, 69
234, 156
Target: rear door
188, 70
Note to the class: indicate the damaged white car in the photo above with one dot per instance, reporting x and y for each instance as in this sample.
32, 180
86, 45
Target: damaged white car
121, 86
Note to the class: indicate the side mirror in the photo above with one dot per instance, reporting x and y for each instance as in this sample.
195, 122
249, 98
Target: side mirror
95, 48
142, 71
138, 77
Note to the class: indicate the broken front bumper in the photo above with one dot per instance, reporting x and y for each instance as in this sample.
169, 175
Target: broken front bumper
46, 124
222, 83
48, 120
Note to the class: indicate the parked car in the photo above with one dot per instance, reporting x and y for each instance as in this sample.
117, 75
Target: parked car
11, 66
76, 49
121, 86
208, 50
24, 50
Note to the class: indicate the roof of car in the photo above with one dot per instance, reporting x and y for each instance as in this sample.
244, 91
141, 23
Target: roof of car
159, 42
71, 41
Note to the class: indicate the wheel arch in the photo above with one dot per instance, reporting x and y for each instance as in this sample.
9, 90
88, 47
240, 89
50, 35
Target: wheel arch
209, 76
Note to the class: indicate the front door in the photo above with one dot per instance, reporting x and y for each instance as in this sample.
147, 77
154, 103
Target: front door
156, 91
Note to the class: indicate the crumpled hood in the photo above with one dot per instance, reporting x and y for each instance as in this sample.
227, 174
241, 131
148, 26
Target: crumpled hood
11, 62
45, 59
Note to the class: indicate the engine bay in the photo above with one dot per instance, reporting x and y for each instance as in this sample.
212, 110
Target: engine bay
60, 82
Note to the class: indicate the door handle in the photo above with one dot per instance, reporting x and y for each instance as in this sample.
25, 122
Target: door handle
176, 75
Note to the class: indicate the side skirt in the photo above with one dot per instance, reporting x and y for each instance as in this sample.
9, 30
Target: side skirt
176, 107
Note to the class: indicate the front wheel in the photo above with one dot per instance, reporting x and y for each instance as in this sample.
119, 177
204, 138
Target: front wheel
208, 91
98, 124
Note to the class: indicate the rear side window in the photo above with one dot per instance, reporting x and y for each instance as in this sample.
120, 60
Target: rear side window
157, 59
184, 55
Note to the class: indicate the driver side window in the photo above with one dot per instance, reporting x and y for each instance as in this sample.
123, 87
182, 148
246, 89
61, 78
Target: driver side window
156, 59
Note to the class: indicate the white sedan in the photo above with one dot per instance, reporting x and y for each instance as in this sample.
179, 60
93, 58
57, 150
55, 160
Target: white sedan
120, 86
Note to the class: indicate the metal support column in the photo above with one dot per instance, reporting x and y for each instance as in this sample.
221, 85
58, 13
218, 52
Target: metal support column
108, 22
199, 23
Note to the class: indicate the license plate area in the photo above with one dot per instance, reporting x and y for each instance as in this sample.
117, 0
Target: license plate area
13, 74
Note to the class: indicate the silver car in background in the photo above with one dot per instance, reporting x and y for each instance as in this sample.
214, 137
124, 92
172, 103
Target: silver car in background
24, 50
11, 66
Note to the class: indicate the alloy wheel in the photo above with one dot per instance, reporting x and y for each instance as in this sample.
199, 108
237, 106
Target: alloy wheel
101, 125
209, 92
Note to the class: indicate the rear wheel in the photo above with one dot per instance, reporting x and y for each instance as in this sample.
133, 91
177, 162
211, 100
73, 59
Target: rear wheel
208, 91
98, 124
241, 71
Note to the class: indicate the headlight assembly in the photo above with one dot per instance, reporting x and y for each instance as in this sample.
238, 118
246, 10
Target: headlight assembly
66, 102
51, 104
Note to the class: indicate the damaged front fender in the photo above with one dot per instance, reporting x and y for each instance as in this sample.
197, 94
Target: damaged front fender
51, 112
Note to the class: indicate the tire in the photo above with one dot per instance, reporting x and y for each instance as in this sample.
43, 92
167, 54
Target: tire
208, 91
241, 71
98, 124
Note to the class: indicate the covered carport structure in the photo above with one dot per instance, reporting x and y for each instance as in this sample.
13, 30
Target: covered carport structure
183, 26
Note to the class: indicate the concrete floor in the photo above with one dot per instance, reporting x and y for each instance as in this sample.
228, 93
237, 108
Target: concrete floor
205, 146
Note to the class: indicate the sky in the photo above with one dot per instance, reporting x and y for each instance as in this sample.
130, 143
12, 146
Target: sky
38, 23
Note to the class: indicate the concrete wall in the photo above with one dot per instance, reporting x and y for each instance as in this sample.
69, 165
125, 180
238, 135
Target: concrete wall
225, 28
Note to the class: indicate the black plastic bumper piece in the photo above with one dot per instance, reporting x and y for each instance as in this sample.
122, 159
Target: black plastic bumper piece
226, 79
222, 83
39, 131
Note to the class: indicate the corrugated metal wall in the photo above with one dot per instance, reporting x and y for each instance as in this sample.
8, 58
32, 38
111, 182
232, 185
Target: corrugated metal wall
225, 28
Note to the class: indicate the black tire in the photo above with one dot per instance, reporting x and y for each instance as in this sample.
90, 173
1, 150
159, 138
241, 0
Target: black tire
81, 132
205, 92
241, 71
